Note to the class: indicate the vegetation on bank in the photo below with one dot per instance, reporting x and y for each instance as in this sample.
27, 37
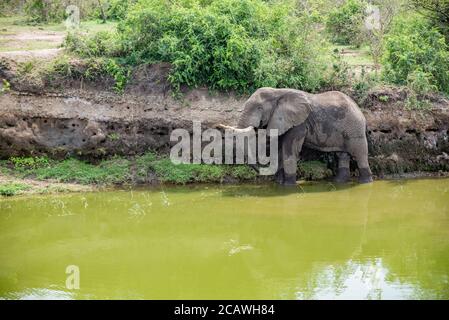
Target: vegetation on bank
240, 45
416, 55
345, 22
225, 45
12, 188
245, 44
147, 168
236, 45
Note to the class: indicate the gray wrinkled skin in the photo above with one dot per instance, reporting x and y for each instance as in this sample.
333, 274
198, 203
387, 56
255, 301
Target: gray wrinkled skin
329, 122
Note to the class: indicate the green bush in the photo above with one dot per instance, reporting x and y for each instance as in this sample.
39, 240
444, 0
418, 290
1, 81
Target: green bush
62, 67
73, 170
103, 43
92, 69
12, 188
437, 11
39, 11
415, 51
118, 9
29, 162
227, 44
421, 82
119, 170
345, 22
166, 171
420, 85
313, 170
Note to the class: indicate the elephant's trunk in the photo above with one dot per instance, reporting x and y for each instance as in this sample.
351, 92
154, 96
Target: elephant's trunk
244, 121
249, 120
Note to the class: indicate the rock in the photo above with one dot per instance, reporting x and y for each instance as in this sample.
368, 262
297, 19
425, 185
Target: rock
394, 157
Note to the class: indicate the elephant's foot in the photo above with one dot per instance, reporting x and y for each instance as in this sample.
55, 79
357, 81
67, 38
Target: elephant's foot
289, 180
279, 176
365, 175
343, 175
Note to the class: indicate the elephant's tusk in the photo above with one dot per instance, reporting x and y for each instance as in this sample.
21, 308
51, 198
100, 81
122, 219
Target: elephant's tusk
236, 130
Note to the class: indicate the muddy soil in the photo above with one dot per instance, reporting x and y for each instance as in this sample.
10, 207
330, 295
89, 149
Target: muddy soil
78, 118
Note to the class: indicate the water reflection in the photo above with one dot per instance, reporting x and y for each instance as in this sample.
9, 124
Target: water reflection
355, 280
41, 294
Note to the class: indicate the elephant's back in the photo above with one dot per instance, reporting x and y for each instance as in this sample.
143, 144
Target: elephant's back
340, 111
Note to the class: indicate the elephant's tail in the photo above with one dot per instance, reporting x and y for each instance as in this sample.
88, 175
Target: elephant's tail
368, 138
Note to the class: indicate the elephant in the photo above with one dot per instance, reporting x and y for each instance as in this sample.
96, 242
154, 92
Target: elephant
328, 122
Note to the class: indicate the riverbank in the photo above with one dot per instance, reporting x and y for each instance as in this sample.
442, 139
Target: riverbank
88, 134
40, 175
13, 186
27, 175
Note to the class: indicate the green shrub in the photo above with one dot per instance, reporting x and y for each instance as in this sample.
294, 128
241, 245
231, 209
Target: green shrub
437, 11
421, 82
313, 170
415, 51
39, 11
227, 44
72, 170
5, 86
242, 172
63, 67
166, 171
12, 188
420, 85
363, 84
118, 72
120, 170
29, 162
118, 9
92, 69
115, 170
100, 44
345, 22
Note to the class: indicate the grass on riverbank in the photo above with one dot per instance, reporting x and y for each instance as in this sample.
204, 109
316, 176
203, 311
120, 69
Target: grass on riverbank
12, 188
147, 168
41, 175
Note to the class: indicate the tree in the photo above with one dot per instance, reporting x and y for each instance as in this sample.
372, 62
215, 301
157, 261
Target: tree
382, 13
437, 11
415, 51
345, 22
103, 15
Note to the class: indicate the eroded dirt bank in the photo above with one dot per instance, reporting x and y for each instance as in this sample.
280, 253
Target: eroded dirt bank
83, 119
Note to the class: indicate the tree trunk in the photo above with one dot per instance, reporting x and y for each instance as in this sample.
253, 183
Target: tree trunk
103, 15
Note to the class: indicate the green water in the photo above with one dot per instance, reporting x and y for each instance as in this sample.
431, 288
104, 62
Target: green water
387, 240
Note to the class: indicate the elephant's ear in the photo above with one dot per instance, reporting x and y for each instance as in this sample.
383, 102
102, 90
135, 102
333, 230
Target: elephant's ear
292, 109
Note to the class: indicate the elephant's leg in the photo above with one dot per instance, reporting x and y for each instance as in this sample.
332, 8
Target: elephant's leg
279, 176
360, 153
343, 173
291, 147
